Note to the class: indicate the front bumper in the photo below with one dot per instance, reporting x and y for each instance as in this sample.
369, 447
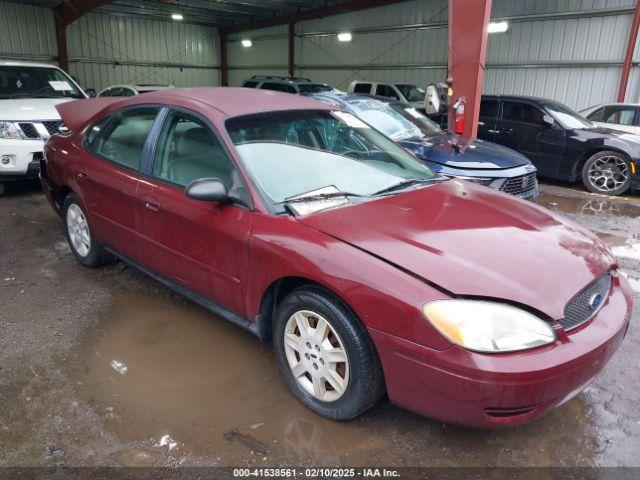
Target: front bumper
497, 177
497, 390
23, 159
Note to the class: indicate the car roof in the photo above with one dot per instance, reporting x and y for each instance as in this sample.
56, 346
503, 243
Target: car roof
234, 101
519, 97
18, 63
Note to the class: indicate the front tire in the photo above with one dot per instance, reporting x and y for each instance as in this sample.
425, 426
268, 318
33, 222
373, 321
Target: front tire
85, 248
326, 355
607, 172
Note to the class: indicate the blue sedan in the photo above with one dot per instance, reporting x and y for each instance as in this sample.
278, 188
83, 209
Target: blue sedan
482, 162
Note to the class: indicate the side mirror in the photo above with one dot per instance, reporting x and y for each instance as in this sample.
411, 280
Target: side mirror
548, 120
432, 100
91, 92
207, 189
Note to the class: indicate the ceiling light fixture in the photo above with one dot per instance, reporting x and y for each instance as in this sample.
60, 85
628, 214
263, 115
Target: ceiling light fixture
345, 37
246, 43
497, 27
177, 16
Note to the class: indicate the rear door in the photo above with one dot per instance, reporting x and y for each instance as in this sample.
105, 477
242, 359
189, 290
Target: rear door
109, 177
488, 118
522, 129
200, 245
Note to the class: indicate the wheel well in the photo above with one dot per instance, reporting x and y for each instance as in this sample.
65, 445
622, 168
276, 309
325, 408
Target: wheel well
61, 194
276, 292
587, 155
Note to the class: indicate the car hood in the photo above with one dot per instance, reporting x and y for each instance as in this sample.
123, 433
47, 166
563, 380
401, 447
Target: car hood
25, 109
472, 241
479, 155
597, 132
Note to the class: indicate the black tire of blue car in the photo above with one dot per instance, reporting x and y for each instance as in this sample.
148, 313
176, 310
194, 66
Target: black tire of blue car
365, 385
91, 254
607, 172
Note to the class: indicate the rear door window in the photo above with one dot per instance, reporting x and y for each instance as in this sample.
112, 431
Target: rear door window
121, 138
386, 91
278, 87
521, 112
489, 109
362, 88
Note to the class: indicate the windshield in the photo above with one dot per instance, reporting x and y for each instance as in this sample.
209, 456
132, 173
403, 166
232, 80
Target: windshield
313, 87
291, 153
36, 82
567, 117
396, 121
411, 93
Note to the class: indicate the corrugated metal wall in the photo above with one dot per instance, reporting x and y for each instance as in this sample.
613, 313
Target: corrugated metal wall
110, 49
570, 50
27, 32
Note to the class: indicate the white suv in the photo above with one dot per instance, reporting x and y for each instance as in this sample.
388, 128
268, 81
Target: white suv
402, 92
29, 93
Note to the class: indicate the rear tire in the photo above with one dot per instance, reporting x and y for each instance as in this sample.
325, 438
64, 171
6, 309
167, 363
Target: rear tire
607, 172
85, 248
326, 355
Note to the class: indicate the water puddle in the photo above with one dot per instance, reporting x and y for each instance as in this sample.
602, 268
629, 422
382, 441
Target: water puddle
182, 382
590, 206
179, 378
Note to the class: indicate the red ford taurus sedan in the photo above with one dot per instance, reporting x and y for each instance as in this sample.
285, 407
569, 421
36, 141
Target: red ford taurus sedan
370, 273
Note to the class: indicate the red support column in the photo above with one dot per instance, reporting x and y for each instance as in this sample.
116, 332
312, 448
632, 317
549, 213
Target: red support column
291, 49
628, 58
468, 20
224, 80
63, 53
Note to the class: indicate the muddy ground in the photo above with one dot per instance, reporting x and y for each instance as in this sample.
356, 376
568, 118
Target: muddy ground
107, 367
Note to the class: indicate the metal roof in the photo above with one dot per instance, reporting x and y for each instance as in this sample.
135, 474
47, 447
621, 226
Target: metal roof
218, 13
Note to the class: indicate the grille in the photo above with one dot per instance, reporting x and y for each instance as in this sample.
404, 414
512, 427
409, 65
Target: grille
580, 309
520, 186
29, 130
52, 126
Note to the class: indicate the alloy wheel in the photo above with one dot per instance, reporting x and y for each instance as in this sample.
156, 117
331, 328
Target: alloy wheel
78, 229
608, 173
316, 355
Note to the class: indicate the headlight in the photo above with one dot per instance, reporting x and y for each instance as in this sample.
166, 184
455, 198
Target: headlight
10, 131
487, 326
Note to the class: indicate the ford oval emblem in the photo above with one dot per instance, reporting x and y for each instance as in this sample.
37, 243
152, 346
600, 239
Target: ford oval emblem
595, 301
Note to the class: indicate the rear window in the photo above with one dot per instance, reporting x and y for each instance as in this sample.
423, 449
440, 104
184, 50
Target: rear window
278, 87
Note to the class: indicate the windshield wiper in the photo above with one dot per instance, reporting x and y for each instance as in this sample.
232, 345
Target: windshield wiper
402, 185
319, 196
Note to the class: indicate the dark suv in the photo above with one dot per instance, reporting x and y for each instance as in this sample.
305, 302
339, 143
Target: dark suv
561, 143
297, 85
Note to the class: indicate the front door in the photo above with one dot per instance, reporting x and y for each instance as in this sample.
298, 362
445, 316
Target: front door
521, 128
200, 245
109, 177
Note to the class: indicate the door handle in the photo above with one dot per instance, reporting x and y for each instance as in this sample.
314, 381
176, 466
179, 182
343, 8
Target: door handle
152, 206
